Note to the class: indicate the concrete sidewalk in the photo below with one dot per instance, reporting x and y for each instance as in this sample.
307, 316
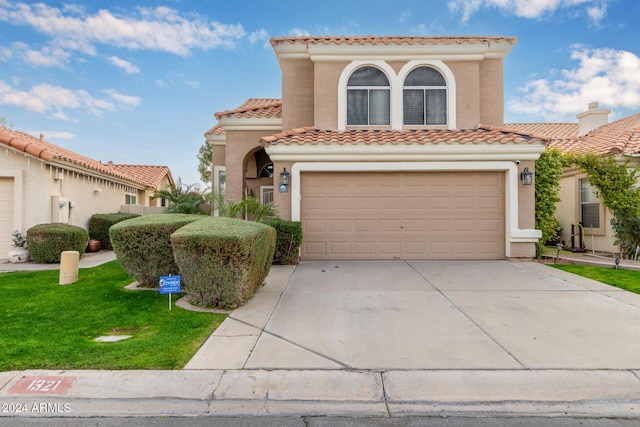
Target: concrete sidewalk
87, 260
552, 375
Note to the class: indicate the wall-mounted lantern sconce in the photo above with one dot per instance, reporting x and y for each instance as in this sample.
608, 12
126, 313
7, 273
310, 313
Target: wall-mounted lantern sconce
62, 203
98, 190
526, 176
284, 181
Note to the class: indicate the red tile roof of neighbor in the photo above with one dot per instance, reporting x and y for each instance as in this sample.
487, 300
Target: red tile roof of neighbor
397, 40
548, 130
484, 134
149, 176
255, 108
621, 136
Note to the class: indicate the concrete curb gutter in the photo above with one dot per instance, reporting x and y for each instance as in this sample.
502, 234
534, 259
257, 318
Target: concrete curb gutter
240, 393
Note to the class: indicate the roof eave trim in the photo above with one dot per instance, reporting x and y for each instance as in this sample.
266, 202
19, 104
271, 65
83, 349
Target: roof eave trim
253, 123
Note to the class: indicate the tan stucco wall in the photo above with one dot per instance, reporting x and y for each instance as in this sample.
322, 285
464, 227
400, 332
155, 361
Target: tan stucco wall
492, 92
34, 203
297, 93
326, 94
526, 199
468, 93
282, 200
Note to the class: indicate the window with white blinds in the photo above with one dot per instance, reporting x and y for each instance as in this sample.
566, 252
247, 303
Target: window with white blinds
368, 98
425, 98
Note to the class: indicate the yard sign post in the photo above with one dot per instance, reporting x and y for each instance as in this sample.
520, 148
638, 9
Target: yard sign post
169, 285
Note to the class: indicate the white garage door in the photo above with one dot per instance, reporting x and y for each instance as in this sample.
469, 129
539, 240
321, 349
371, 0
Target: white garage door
403, 215
6, 215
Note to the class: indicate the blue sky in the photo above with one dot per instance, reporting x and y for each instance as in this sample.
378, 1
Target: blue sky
140, 81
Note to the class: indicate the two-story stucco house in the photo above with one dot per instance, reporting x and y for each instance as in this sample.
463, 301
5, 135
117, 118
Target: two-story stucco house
386, 148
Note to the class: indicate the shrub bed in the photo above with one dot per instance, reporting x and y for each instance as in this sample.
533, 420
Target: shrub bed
223, 260
47, 241
99, 225
143, 245
289, 238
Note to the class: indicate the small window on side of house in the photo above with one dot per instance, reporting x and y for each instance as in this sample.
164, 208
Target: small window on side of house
589, 205
130, 199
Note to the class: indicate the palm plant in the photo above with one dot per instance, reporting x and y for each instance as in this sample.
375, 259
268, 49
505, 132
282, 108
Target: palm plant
183, 198
249, 207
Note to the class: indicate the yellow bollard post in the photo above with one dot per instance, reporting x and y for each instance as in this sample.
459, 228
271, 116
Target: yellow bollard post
69, 267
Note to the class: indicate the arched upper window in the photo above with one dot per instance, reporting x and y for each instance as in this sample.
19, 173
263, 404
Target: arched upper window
425, 97
368, 98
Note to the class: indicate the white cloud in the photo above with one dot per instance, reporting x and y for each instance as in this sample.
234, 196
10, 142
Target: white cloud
404, 16
127, 66
52, 134
123, 99
46, 57
530, 9
299, 32
160, 29
259, 35
5, 54
609, 76
54, 100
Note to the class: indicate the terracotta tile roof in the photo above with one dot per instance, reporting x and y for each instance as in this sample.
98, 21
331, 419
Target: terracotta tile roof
546, 130
149, 175
48, 152
255, 108
387, 40
216, 130
485, 134
621, 136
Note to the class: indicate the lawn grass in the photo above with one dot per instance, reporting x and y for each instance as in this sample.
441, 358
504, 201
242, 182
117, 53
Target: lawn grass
623, 279
47, 326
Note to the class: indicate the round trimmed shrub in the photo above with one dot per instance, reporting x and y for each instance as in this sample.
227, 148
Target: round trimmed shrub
47, 241
223, 260
143, 245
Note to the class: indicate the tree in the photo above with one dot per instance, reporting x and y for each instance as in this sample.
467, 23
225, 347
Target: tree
205, 159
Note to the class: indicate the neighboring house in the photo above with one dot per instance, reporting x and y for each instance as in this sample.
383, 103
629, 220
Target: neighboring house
41, 183
580, 203
386, 148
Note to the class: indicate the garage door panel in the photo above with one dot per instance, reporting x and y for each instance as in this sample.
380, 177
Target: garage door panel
365, 248
410, 215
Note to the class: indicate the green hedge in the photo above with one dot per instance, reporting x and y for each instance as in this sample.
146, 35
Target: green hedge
99, 225
289, 238
223, 260
47, 241
143, 245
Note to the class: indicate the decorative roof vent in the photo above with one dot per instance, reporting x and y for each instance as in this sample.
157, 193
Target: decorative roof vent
592, 119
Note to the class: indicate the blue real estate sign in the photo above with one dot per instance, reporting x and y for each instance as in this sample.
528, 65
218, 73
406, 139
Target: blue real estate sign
169, 285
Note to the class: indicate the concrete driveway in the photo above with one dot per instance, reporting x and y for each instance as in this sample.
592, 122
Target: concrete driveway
454, 315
